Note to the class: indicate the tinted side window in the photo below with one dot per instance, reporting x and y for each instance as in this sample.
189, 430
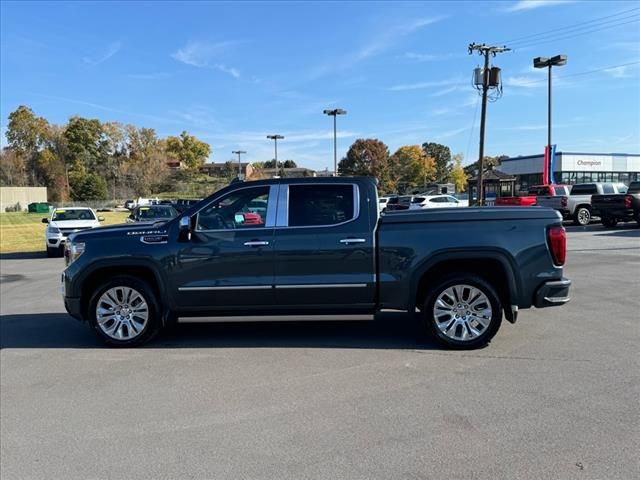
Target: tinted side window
312, 205
589, 189
608, 188
246, 208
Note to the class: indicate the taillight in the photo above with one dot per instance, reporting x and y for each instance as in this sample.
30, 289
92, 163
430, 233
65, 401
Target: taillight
558, 244
563, 202
627, 201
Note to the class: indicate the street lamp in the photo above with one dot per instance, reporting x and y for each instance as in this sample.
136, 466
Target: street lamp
334, 113
275, 139
239, 152
543, 62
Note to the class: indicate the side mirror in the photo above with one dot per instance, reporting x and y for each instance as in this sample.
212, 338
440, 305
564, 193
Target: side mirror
101, 219
45, 220
184, 228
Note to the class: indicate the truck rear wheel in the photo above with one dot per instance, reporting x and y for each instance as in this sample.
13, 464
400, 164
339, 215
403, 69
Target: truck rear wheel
124, 312
582, 216
462, 311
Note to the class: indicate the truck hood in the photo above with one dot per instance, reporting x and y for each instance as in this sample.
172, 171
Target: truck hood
74, 223
124, 229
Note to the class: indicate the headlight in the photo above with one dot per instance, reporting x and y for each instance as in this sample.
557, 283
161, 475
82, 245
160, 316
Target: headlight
72, 251
53, 229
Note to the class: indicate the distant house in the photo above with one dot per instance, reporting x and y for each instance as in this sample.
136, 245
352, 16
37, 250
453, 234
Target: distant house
296, 172
218, 169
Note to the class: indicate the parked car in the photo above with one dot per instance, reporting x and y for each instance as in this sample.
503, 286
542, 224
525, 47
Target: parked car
152, 213
463, 199
382, 203
577, 205
433, 201
398, 203
533, 193
63, 222
181, 205
323, 250
130, 204
620, 207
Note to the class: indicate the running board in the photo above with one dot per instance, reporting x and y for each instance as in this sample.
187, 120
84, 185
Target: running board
276, 318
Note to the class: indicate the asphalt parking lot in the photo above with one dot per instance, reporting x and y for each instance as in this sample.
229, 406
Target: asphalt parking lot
553, 397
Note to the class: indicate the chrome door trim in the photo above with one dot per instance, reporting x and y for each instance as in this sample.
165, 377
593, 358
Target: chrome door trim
256, 243
349, 241
272, 206
324, 285
277, 318
231, 287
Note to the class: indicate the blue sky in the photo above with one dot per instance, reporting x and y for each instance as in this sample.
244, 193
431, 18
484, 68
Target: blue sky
232, 73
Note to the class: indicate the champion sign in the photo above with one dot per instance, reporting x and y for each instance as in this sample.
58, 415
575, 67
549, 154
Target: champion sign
589, 163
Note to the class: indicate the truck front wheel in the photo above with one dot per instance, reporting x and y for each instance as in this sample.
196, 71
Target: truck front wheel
462, 311
582, 216
124, 312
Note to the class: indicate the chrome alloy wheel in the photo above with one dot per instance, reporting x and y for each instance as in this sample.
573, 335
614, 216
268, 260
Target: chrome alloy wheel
462, 312
122, 313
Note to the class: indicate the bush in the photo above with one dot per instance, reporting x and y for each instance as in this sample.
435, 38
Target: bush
89, 187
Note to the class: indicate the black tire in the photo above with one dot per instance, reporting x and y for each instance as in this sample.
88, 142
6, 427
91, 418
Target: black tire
582, 216
609, 222
153, 323
52, 252
467, 279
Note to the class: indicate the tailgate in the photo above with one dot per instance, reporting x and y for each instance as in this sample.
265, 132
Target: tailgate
557, 202
611, 200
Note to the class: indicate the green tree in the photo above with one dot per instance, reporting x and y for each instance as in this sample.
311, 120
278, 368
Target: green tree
189, 150
85, 143
489, 162
441, 155
368, 157
88, 187
230, 170
289, 164
458, 176
269, 164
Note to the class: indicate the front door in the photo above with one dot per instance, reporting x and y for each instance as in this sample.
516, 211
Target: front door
228, 263
324, 248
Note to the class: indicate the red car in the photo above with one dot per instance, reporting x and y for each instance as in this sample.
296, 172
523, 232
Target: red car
533, 193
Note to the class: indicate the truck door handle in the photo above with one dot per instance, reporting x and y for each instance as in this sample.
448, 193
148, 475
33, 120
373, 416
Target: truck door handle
256, 243
349, 241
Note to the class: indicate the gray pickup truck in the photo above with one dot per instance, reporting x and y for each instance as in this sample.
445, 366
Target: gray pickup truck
316, 249
577, 205
618, 207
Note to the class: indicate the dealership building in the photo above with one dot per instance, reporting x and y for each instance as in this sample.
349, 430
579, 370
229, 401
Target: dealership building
571, 168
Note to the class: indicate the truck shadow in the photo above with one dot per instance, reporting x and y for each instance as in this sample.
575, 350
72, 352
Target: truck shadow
22, 255
390, 331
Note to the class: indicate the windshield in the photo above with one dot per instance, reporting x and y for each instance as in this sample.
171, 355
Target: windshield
157, 212
62, 215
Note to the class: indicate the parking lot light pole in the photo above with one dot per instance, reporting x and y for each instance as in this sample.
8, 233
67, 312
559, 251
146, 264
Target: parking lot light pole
239, 152
334, 113
275, 139
543, 62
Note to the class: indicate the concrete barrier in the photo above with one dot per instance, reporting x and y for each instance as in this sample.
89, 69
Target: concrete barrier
11, 196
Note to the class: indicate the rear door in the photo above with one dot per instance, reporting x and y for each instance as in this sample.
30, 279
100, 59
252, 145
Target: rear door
324, 247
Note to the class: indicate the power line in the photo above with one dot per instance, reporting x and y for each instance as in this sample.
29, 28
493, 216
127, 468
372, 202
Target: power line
473, 126
562, 37
578, 74
564, 29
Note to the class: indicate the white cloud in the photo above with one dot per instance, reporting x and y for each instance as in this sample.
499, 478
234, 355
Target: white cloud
420, 57
430, 84
523, 5
619, 72
201, 54
111, 50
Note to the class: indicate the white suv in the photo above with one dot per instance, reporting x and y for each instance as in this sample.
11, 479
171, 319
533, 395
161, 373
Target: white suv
65, 221
434, 201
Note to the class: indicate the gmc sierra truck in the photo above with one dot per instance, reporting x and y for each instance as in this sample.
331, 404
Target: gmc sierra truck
618, 207
316, 249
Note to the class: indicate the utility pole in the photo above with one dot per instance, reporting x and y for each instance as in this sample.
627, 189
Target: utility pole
488, 81
275, 139
239, 152
334, 113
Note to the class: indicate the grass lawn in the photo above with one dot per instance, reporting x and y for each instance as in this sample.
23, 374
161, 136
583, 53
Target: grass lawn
24, 232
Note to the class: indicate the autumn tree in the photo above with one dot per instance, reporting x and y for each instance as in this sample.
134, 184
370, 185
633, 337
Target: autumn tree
368, 157
441, 155
13, 169
410, 167
26, 136
458, 176
189, 150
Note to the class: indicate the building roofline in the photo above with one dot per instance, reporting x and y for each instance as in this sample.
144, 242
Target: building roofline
526, 157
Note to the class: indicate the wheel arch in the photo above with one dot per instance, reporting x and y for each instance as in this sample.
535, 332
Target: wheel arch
496, 267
